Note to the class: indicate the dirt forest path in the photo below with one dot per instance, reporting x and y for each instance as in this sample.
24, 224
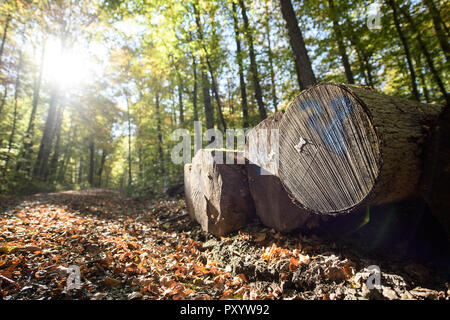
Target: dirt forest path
127, 249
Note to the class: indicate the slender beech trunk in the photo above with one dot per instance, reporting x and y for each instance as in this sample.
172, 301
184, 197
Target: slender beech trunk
209, 113
80, 170
438, 27
423, 83
210, 69
246, 121
272, 72
5, 93
159, 130
414, 90
53, 167
91, 162
305, 73
41, 165
129, 139
194, 90
100, 169
67, 154
180, 100
427, 55
5, 32
29, 134
253, 66
14, 124
340, 42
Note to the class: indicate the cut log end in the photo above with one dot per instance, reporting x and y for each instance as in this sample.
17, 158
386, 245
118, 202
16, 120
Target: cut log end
329, 150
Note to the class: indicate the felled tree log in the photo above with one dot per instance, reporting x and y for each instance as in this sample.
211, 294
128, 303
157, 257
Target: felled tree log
219, 194
272, 203
436, 175
343, 147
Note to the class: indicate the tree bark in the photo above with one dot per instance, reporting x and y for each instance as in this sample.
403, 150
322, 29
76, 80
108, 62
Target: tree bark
245, 118
305, 73
405, 44
253, 65
340, 42
343, 147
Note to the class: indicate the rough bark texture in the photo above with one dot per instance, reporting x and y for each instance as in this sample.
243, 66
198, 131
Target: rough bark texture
221, 200
436, 178
343, 147
303, 67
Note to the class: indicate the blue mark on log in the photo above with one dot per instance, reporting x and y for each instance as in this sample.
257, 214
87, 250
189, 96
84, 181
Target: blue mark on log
331, 134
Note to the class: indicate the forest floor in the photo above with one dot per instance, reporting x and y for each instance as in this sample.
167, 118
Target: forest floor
148, 249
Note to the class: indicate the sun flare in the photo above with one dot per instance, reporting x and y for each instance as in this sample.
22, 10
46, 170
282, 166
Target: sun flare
66, 68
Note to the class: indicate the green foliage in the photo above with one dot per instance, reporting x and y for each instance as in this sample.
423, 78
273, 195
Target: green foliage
145, 61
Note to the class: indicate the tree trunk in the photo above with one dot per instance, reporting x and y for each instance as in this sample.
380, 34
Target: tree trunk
219, 196
423, 82
5, 32
180, 100
54, 160
209, 113
405, 44
245, 118
5, 93
14, 124
159, 130
272, 203
210, 69
305, 73
194, 90
41, 165
130, 180
253, 65
91, 163
67, 154
345, 147
438, 24
340, 43
272, 72
100, 169
29, 134
427, 55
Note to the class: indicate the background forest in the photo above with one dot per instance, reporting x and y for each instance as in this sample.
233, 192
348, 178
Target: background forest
91, 91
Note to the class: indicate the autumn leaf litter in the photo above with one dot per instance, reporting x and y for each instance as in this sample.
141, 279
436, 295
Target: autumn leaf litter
127, 249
